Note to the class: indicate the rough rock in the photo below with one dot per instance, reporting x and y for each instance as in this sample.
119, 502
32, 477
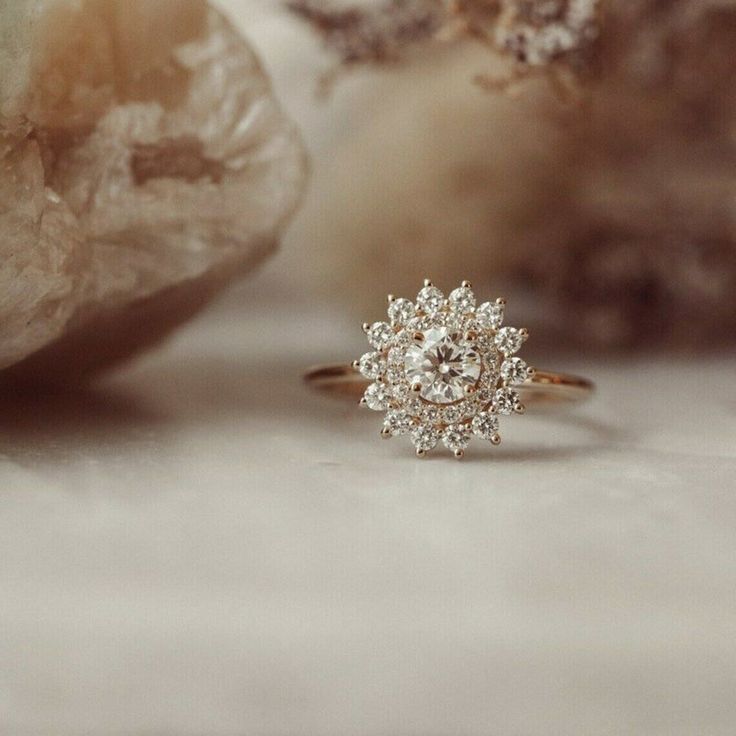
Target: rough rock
145, 164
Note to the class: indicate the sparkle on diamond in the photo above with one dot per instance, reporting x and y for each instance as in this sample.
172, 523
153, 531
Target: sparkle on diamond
442, 365
443, 369
400, 311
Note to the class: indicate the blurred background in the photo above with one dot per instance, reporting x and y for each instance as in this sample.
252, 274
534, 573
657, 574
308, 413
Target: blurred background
578, 153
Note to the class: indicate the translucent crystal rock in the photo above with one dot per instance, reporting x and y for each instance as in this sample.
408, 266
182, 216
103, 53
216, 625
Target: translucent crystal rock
145, 164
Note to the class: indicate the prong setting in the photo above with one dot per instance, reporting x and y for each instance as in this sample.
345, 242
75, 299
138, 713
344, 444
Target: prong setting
443, 369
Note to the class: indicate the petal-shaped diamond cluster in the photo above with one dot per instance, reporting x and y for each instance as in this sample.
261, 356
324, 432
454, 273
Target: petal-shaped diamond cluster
443, 369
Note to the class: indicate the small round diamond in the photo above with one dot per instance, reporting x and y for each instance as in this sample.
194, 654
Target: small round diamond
425, 437
485, 425
397, 421
400, 311
400, 391
414, 405
462, 300
395, 372
471, 406
372, 365
377, 396
430, 299
514, 370
396, 356
456, 437
403, 338
431, 413
452, 414
380, 334
505, 400
508, 340
489, 377
484, 343
489, 315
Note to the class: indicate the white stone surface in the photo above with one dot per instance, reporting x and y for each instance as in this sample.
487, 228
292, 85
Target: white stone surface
202, 546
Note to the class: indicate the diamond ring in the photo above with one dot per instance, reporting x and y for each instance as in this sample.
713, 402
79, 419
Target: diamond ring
445, 370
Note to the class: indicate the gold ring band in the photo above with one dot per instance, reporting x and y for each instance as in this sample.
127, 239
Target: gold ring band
544, 388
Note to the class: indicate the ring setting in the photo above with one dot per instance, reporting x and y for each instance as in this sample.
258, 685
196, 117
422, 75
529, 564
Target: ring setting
445, 371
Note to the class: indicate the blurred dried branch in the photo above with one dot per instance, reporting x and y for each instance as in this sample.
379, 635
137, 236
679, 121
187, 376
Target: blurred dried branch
534, 32
378, 34
623, 207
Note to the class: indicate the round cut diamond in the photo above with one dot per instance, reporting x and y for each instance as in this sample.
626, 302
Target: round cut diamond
431, 414
452, 414
372, 365
400, 311
485, 425
380, 334
462, 300
425, 437
514, 370
442, 366
456, 436
508, 340
430, 299
505, 400
489, 315
377, 396
414, 405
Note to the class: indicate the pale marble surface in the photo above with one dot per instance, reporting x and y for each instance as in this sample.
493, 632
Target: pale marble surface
202, 546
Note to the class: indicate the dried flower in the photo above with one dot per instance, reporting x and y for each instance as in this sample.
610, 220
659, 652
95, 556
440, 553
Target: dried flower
619, 208
374, 35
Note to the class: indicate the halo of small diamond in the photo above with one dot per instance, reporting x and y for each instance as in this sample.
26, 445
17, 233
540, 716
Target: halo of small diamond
442, 369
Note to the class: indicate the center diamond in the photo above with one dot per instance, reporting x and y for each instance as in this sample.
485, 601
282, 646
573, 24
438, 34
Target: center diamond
442, 366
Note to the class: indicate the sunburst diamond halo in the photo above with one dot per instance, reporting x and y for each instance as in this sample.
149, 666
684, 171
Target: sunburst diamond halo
443, 370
